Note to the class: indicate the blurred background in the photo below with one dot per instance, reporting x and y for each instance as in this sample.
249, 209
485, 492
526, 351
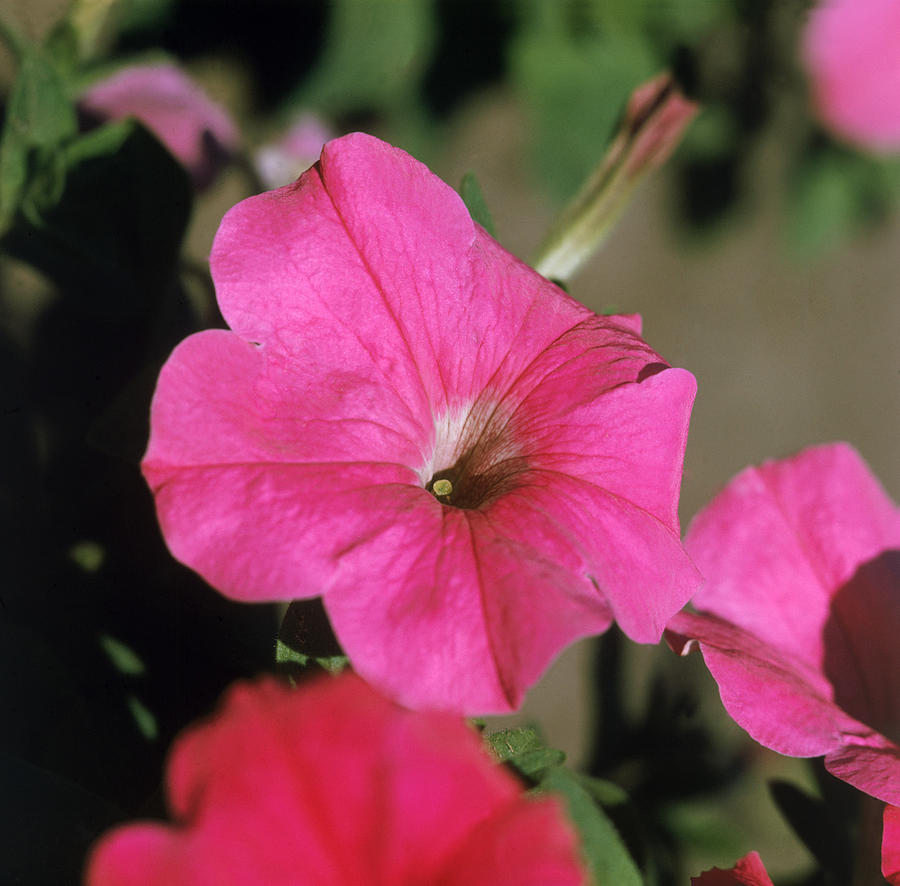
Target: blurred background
763, 257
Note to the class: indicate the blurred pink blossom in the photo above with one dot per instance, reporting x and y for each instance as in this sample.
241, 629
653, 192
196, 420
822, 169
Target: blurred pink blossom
800, 613
332, 785
749, 871
279, 162
852, 52
198, 131
469, 467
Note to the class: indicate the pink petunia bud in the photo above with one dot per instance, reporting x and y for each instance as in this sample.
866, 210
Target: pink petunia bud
198, 131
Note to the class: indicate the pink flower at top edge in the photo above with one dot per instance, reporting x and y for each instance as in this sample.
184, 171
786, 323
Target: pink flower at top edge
198, 131
800, 615
381, 342
890, 845
333, 785
749, 871
852, 52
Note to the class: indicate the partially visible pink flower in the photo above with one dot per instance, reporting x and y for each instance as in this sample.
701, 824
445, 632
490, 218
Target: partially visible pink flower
332, 785
198, 131
281, 161
890, 845
469, 467
852, 52
800, 614
749, 871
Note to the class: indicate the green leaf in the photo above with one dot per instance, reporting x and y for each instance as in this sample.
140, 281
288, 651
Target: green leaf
61, 45
123, 657
575, 83
39, 119
113, 236
523, 749
472, 196
143, 718
825, 202
375, 54
607, 858
606, 793
305, 638
284, 655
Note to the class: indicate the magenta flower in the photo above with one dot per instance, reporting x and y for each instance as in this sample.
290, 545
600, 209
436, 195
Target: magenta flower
749, 871
468, 466
279, 162
890, 846
801, 612
198, 131
332, 785
852, 52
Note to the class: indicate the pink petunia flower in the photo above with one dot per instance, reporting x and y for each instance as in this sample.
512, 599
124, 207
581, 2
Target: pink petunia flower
890, 845
279, 162
332, 785
198, 131
749, 871
469, 467
852, 52
801, 612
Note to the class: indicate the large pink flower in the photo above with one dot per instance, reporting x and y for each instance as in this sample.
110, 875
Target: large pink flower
749, 871
382, 342
801, 612
332, 785
197, 130
852, 52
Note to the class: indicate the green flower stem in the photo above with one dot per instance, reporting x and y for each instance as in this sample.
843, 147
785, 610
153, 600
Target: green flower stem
654, 121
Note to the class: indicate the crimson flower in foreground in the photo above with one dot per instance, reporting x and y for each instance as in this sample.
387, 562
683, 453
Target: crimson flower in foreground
852, 52
332, 785
749, 871
801, 612
469, 467
198, 131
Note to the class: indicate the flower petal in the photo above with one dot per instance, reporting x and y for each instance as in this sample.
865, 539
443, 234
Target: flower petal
628, 439
890, 845
454, 611
262, 532
852, 51
749, 871
780, 540
780, 701
194, 128
526, 846
369, 234
635, 561
331, 785
869, 762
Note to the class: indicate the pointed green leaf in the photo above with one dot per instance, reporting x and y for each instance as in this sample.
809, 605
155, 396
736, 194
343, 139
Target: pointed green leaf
113, 236
473, 197
123, 657
523, 749
39, 119
607, 858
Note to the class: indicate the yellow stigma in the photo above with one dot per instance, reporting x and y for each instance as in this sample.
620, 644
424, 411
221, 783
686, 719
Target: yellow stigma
442, 488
